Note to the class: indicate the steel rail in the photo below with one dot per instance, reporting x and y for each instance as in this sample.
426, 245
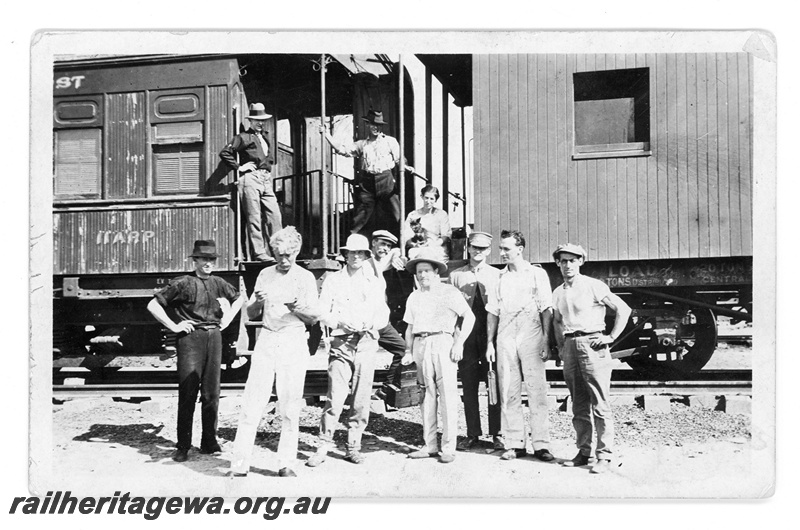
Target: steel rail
623, 382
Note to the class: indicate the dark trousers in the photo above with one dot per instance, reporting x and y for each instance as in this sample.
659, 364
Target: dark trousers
473, 369
391, 341
199, 355
372, 190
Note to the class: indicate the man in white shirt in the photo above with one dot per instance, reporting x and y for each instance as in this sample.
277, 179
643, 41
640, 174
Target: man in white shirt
435, 345
580, 309
286, 297
352, 304
375, 184
520, 314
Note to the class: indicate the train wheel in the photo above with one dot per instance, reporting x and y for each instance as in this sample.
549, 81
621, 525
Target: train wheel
681, 344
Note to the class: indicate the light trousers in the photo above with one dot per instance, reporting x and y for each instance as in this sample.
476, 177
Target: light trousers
519, 342
436, 374
280, 357
352, 358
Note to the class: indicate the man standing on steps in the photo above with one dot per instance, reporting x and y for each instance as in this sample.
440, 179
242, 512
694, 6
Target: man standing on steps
375, 184
255, 182
580, 310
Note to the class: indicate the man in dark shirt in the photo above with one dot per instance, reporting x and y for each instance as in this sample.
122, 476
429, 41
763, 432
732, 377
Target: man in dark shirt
255, 182
204, 305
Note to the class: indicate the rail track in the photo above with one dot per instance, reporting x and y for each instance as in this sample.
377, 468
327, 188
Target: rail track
159, 382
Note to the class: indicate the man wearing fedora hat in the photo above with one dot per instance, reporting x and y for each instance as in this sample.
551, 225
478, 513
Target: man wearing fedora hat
379, 155
579, 320
436, 345
205, 305
476, 280
249, 154
353, 308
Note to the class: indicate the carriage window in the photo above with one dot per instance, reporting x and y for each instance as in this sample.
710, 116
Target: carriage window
612, 113
78, 163
176, 169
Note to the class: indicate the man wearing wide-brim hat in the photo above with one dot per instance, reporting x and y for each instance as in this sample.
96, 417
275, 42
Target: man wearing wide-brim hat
248, 154
476, 280
579, 321
436, 344
204, 305
353, 307
379, 154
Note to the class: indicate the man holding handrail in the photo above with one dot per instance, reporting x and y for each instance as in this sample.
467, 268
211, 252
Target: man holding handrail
379, 155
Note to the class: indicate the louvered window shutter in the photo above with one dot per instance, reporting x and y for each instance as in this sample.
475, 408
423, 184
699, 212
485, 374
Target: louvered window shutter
78, 163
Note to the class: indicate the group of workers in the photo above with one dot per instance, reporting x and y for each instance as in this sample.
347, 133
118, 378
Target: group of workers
469, 321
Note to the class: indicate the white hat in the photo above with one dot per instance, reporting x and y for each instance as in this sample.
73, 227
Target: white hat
356, 242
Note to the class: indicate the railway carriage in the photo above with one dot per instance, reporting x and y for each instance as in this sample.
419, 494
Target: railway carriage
644, 159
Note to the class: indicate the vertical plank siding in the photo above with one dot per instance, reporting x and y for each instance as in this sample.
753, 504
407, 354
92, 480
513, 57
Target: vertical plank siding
126, 130
691, 197
217, 117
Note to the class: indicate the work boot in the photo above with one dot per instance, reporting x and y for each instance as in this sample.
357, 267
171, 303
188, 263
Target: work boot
544, 455
355, 457
468, 443
602, 466
286, 472
579, 461
511, 454
319, 457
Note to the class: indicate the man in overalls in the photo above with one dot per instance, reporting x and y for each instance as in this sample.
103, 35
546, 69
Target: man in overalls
520, 314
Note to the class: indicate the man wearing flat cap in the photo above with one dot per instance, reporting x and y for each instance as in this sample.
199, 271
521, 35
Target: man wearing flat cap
386, 255
476, 280
353, 308
249, 154
204, 305
375, 184
579, 320
436, 344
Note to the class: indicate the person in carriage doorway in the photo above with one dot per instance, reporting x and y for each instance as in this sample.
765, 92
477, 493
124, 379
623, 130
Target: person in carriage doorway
519, 316
375, 183
261, 209
352, 304
476, 280
386, 255
436, 344
580, 310
428, 225
286, 298
205, 305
